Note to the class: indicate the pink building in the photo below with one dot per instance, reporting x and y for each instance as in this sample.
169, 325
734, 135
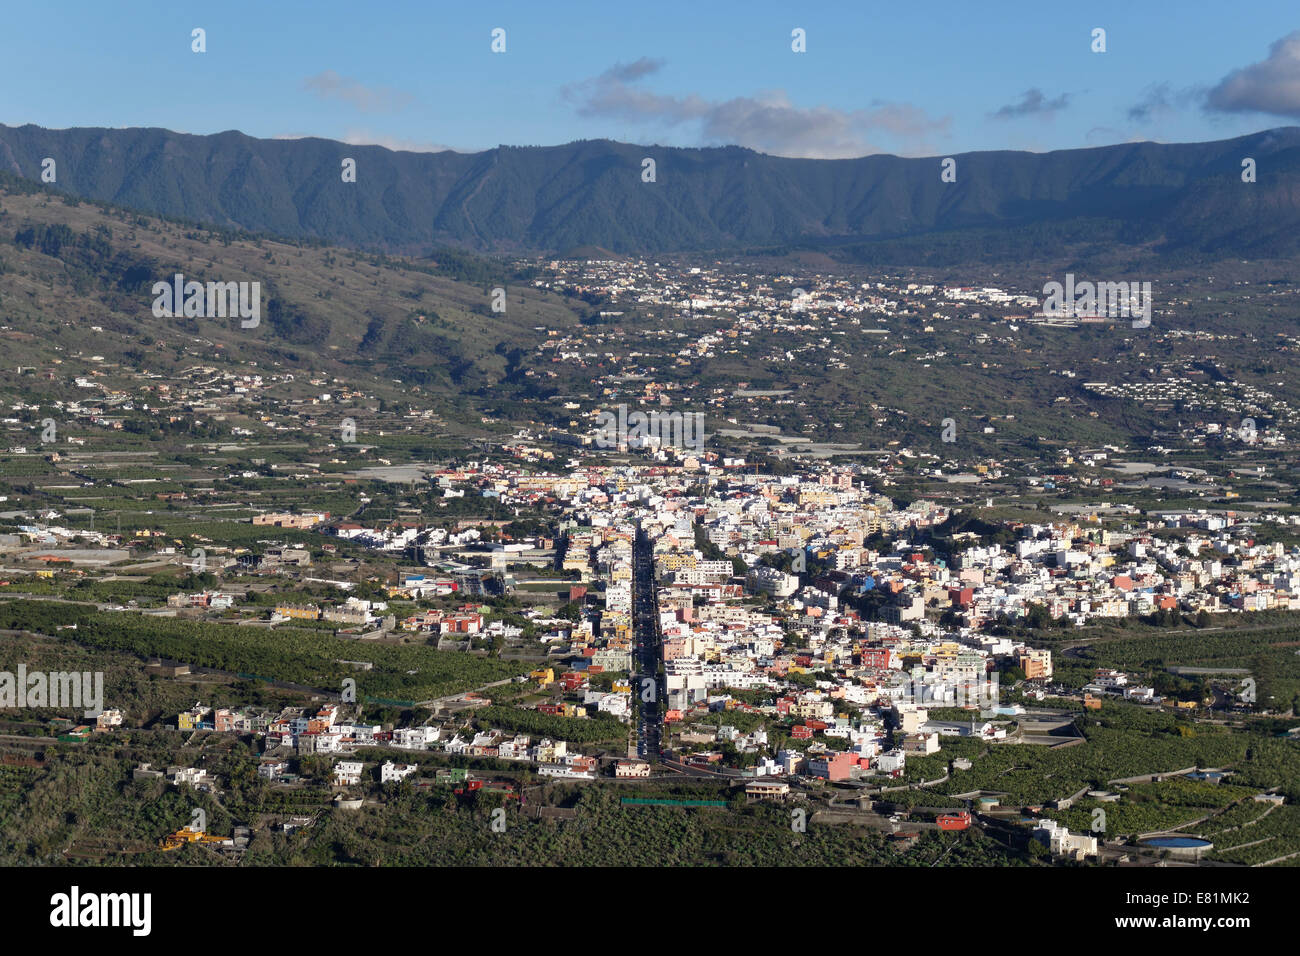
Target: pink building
833, 766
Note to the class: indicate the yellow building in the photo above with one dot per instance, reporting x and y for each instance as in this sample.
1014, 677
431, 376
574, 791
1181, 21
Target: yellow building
189, 719
298, 612
818, 497
677, 560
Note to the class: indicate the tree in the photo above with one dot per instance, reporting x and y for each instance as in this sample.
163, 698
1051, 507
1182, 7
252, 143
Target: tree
1038, 616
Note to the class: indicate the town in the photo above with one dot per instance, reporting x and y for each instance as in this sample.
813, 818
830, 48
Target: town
720, 541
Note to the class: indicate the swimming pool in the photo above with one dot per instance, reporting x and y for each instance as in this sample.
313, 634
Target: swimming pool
1179, 843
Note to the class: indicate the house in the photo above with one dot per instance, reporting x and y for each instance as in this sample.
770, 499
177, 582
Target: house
190, 719
347, 773
414, 738
346, 615
459, 623
614, 704
776, 791
836, 766
891, 762
195, 777
390, 772
921, 744
581, 762
1062, 842
790, 761
632, 768
286, 555
316, 743
284, 520
565, 771
298, 612
549, 751
516, 749
911, 717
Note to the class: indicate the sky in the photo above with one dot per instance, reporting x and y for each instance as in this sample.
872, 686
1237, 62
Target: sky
914, 79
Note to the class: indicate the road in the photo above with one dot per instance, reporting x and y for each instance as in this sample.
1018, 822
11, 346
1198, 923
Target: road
645, 624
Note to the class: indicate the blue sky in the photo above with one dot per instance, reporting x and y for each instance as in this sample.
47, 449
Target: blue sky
913, 79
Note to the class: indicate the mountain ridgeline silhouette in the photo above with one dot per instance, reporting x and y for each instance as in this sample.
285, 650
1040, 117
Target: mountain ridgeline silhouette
1177, 201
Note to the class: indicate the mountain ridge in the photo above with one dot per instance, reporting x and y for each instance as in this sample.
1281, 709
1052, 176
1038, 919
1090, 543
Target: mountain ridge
1184, 199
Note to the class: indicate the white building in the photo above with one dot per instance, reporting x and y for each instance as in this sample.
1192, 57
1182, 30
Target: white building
347, 773
1062, 842
891, 761
390, 772
414, 738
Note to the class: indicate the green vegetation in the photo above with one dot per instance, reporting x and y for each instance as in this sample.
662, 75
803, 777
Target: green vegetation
1124, 740
295, 656
87, 804
1147, 808
1271, 836
596, 729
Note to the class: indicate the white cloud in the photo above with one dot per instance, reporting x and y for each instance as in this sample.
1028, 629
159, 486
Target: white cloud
364, 137
1033, 103
768, 121
367, 99
1270, 86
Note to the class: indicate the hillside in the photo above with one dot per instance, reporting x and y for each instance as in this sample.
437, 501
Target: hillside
75, 297
1178, 201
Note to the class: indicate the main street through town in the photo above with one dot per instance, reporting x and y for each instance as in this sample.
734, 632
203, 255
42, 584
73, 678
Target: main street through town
647, 687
